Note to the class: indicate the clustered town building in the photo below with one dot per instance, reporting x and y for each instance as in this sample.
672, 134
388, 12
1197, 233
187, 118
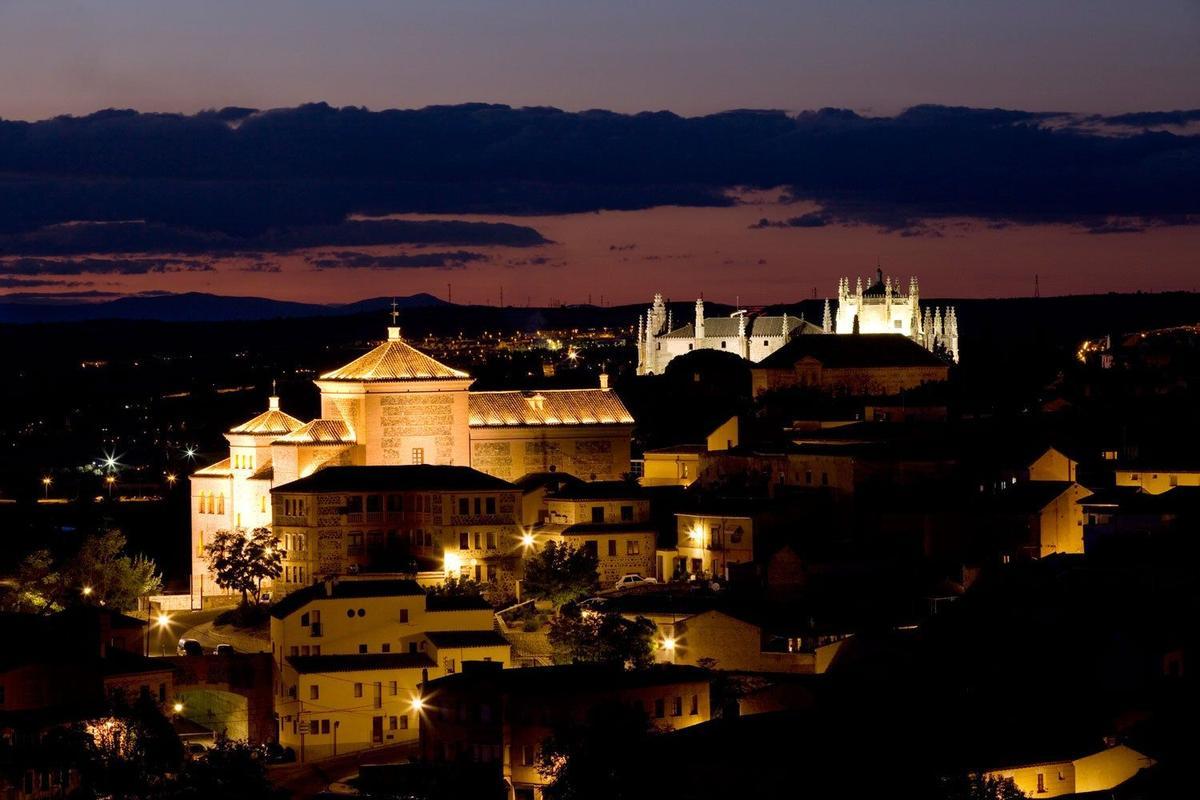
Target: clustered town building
782, 542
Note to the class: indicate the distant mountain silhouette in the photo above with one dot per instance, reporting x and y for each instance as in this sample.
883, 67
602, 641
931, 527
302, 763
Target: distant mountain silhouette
190, 307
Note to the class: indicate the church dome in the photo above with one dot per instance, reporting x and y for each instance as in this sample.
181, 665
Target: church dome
271, 422
394, 360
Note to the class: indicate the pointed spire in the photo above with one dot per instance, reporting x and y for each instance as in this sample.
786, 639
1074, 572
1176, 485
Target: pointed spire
827, 319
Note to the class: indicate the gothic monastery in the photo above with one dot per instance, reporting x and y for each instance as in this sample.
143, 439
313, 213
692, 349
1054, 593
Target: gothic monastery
881, 307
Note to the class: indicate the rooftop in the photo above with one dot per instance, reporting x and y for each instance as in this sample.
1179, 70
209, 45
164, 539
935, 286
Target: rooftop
320, 431
600, 490
307, 665
853, 350
417, 477
271, 422
394, 360
344, 589
467, 639
548, 407
572, 678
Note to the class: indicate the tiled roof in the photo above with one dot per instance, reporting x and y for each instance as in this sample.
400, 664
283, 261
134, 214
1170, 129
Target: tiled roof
757, 327
345, 590
308, 665
220, 469
395, 360
264, 473
551, 407
405, 477
855, 351
270, 422
435, 602
320, 431
466, 639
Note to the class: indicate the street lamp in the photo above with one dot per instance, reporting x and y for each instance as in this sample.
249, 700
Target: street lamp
46, 481
527, 539
171, 479
110, 480
178, 707
87, 591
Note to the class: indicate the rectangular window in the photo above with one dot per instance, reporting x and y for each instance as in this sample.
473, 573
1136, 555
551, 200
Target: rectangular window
478, 507
478, 540
633, 547
527, 755
386, 647
393, 688
354, 504
626, 513
677, 707
695, 710
393, 723
597, 513
378, 698
464, 506
404, 723
374, 503
418, 455
362, 648
464, 541
314, 692
304, 620
491, 540
404, 616
324, 726
660, 707
490, 505
358, 690
612, 547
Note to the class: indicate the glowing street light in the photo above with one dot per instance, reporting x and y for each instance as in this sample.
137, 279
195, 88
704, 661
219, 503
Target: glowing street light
527, 539
46, 481
190, 453
417, 704
668, 644
87, 591
171, 478
163, 620
110, 480
178, 707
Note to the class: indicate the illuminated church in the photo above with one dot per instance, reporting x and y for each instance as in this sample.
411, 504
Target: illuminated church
880, 307
394, 406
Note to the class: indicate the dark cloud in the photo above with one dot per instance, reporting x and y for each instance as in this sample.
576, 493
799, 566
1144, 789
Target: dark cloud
11, 282
285, 179
813, 219
1146, 119
100, 266
350, 260
260, 266
148, 237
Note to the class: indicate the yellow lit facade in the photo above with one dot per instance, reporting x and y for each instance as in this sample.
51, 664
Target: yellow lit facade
1157, 481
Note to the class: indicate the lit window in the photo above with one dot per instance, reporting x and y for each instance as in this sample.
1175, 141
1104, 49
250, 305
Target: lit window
418, 455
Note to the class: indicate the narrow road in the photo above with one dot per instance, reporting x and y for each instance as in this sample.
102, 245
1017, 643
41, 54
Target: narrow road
306, 780
164, 639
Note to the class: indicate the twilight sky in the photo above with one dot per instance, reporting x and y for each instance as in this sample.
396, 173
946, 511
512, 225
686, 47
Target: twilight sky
1077, 183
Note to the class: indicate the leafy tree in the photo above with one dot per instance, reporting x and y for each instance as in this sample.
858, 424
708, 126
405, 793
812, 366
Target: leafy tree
980, 787
112, 578
116, 579
455, 586
241, 560
560, 573
605, 757
231, 770
601, 638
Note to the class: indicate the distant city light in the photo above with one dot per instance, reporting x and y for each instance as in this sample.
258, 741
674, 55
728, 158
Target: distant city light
87, 591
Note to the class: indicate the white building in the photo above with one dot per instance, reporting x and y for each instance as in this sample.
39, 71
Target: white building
753, 337
881, 307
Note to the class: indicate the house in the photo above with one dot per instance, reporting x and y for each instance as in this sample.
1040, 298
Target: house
351, 652
485, 715
1157, 477
679, 465
1033, 518
1076, 771
862, 364
343, 519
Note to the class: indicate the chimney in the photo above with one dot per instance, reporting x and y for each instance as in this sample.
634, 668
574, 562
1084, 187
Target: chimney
329, 584
273, 403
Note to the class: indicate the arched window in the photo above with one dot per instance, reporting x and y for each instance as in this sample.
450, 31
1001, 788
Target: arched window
210, 503
201, 510
221, 503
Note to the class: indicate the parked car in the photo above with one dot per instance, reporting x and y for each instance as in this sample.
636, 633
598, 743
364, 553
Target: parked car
195, 750
190, 647
223, 650
633, 579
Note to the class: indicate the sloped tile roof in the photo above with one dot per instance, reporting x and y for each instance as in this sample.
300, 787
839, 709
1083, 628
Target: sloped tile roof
557, 407
320, 431
220, 469
270, 422
395, 360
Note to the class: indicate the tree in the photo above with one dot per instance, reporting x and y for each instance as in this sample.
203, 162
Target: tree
100, 572
240, 561
560, 574
601, 638
455, 586
115, 579
606, 757
980, 787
